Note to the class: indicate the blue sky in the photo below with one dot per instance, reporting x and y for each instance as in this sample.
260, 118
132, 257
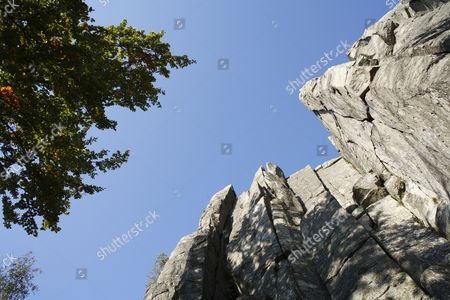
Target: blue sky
177, 162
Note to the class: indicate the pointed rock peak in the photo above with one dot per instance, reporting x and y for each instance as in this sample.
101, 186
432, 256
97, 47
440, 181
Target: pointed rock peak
275, 170
219, 208
223, 193
258, 179
228, 189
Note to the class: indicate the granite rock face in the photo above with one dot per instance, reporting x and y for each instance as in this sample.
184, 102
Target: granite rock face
371, 224
388, 109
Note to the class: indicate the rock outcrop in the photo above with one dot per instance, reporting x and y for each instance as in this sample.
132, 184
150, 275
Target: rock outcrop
371, 224
388, 109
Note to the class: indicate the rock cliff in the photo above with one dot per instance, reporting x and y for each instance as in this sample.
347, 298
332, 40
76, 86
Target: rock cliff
371, 224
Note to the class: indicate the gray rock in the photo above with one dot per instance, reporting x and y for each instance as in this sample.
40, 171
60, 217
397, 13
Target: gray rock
262, 233
193, 270
339, 178
266, 245
308, 187
387, 110
358, 212
423, 205
275, 170
395, 186
443, 217
368, 190
436, 279
413, 246
347, 258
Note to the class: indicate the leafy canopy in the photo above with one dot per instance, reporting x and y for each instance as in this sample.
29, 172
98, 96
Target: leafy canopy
59, 72
16, 278
160, 262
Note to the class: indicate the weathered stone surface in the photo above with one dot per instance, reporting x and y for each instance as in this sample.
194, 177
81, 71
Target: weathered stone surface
276, 249
255, 251
368, 190
423, 206
265, 230
350, 262
339, 178
415, 247
399, 125
395, 186
368, 225
436, 280
307, 185
192, 271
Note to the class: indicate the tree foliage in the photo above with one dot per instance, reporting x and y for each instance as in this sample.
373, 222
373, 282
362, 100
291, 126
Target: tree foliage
16, 278
160, 262
59, 73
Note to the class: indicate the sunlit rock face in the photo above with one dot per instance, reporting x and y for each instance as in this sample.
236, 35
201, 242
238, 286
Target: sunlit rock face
371, 224
387, 110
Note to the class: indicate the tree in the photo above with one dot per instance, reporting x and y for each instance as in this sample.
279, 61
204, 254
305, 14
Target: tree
16, 278
160, 262
59, 73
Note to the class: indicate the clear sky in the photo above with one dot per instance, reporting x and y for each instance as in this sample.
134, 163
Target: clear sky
220, 121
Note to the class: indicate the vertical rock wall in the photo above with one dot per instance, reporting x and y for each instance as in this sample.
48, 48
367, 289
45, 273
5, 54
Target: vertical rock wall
388, 109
